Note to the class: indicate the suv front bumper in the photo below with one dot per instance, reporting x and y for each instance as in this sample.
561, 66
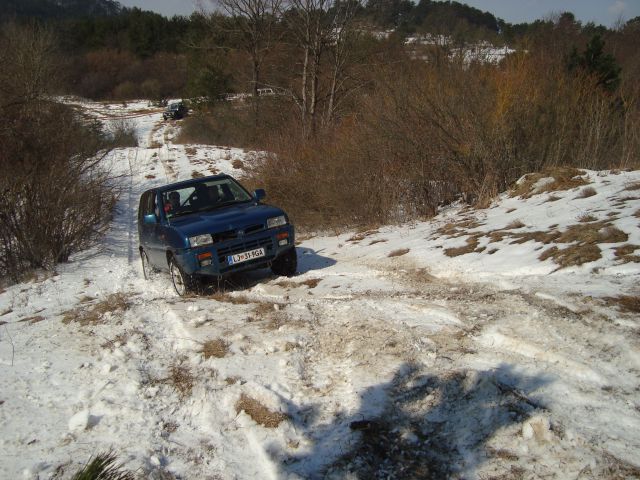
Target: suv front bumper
212, 260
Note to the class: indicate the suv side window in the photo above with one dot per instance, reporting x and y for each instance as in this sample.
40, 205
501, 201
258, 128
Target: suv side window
147, 204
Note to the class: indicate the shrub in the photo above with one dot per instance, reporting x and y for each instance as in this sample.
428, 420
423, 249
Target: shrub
103, 467
122, 133
259, 412
57, 198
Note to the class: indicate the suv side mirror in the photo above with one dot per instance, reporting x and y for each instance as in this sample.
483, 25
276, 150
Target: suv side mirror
150, 219
259, 194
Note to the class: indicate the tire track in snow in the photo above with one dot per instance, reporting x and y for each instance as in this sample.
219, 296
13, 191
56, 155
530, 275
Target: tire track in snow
131, 206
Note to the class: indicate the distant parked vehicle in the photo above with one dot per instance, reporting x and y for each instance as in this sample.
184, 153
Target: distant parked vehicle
175, 111
210, 227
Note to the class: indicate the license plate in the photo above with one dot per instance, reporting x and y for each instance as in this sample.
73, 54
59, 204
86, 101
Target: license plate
245, 256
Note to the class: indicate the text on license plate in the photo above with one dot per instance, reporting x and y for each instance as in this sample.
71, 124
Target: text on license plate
245, 256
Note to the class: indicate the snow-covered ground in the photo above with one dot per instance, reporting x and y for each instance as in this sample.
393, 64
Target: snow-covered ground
444, 349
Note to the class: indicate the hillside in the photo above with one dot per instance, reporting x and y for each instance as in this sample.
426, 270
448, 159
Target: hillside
56, 9
496, 343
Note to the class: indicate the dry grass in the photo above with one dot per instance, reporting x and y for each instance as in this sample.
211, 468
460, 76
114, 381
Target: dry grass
564, 178
537, 236
633, 186
515, 224
93, 315
586, 217
626, 253
259, 413
572, 255
362, 235
418, 276
399, 252
637, 213
373, 242
617, 469
233, 299
181, 379
502, 454
217, 348
592, 233
471, 246
553, 198
196, 174
191, 151
264, 309
458, 229
584, 239
119, 339
32, 320
312, 282
587, 192
626, 303
237, 164
150, 177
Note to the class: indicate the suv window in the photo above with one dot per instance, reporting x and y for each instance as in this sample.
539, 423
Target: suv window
202, 196
147, 204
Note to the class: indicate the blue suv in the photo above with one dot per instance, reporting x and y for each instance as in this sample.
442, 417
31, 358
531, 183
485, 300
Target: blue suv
212, 226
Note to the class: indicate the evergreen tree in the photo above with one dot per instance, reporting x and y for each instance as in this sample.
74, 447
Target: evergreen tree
594, 61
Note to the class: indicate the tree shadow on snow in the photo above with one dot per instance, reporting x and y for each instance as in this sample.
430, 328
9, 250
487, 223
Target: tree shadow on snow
309, 259
417, 426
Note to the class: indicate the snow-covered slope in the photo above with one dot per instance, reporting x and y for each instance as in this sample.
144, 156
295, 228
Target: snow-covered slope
444, 349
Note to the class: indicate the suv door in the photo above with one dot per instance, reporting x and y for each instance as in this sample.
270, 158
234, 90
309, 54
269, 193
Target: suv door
149, 232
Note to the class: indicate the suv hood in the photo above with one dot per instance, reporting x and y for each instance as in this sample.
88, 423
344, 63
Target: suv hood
224, 219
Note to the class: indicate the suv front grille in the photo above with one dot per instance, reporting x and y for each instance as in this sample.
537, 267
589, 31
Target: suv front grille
245, 246
233, 234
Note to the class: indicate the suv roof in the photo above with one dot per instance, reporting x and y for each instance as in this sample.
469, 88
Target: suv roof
191, 181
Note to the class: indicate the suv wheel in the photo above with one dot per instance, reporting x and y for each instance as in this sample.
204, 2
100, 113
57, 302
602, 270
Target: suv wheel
286, 264
182, 283
147, 269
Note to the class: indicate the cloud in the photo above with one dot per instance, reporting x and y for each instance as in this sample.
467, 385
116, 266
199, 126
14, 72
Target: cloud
618, 7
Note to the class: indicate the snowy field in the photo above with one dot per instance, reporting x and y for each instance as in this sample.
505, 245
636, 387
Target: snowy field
474, 346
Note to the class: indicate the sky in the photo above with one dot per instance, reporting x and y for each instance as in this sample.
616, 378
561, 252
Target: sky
605, 12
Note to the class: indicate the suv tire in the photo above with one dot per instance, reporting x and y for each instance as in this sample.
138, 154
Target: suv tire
182, 283
286, 264
147, 269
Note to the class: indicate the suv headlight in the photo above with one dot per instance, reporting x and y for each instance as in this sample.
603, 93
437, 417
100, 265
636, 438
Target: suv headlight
200, 240
276, 221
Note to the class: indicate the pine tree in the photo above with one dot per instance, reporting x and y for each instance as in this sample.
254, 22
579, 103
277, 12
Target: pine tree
594, 61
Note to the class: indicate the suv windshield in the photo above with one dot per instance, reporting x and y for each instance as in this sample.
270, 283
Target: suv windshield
203, 196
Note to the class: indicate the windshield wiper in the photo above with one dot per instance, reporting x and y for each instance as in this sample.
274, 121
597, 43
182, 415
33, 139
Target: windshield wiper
182, 212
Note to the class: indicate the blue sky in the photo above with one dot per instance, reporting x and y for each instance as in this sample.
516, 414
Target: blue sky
605, 12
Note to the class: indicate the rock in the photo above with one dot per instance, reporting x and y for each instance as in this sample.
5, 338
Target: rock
79, 422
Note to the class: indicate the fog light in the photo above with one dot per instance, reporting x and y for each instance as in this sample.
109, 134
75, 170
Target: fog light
205, 259
284, 242
282, 235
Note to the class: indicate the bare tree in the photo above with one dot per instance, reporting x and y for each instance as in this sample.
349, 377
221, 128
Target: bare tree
255, 22
29, 65
324, 32
341, 55
307, 20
